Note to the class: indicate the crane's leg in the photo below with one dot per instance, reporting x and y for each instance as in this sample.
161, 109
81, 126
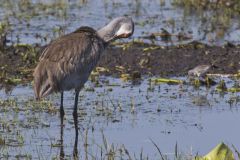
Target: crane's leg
75, 118
62, 154
76, 102
61, 106
61, 127
75, 149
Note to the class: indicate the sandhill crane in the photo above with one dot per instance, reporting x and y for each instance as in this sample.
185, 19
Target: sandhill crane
67, 62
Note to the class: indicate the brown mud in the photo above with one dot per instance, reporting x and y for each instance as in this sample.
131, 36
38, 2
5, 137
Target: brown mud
171, 61
134, 58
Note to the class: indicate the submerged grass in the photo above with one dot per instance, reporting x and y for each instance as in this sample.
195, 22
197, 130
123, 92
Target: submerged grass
216, 17
13, 104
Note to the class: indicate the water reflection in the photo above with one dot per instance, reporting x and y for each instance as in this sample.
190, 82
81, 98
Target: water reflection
61, 156
75, 147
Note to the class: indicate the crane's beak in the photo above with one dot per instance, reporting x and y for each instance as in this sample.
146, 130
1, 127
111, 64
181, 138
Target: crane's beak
124, 35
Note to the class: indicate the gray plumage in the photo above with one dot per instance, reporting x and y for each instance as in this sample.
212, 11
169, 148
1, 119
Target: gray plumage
199, 71
67, 62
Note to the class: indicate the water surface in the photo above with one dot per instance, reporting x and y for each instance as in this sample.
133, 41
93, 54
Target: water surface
127, 115
40, 21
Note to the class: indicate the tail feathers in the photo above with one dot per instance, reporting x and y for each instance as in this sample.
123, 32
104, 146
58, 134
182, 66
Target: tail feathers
42, 88
46, 90
42, 83
37, 88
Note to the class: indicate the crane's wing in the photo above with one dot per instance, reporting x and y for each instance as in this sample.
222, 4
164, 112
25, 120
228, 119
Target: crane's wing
67, 47
74, 50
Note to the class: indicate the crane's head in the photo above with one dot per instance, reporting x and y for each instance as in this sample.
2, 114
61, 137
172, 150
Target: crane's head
121, 27
124, 27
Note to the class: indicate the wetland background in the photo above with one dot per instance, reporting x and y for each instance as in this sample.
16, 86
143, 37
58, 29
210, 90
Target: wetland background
123, 106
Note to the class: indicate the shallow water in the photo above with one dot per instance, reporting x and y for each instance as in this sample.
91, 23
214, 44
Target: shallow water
126, 114
41, 21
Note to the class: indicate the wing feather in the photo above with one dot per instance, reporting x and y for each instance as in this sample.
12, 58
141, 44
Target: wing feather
67, 47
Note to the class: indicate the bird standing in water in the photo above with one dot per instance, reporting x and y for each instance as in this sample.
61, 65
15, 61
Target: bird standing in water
67, 62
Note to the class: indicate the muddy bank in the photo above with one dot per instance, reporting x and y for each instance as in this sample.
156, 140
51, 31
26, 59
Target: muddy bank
170, 61
17, 62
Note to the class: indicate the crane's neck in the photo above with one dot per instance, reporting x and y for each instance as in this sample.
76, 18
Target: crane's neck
107, 33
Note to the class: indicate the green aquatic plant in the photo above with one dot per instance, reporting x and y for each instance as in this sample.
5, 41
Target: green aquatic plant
12, 80
220, 152
233, 100
221, 86
4, 29
2, 141
26, 9
166, 80
8, 103
199, 81
112, 152
177, 155
196, 83
233, 89
40, 106
27, 52
132, 106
